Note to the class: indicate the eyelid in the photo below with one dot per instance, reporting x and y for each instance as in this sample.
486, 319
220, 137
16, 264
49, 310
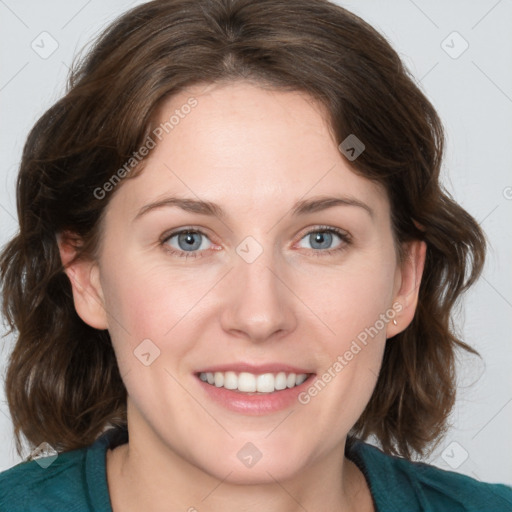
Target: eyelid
166, 236
322, 227
345, 237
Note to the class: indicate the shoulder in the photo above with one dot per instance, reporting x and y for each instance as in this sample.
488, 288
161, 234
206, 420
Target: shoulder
43, 483
71, 481
399, 484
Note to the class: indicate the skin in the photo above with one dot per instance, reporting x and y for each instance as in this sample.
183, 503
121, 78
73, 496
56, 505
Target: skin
255, 152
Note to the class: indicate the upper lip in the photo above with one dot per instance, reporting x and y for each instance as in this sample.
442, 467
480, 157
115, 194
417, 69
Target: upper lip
256, 369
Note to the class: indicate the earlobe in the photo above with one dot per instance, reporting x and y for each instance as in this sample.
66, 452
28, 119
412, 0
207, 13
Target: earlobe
84, 276
411, 273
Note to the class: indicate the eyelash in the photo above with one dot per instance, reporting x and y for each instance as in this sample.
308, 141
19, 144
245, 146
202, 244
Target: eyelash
345, 238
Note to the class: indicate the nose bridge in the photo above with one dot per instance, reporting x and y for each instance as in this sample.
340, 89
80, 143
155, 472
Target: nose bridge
260, 303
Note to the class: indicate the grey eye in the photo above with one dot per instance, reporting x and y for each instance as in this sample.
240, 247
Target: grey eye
188, 241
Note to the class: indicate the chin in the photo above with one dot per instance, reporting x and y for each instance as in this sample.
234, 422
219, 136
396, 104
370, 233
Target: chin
249, 465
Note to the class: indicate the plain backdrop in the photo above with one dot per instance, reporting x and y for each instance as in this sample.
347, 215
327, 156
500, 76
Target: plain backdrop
461, 53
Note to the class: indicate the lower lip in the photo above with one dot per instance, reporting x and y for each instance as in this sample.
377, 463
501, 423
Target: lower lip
254, 404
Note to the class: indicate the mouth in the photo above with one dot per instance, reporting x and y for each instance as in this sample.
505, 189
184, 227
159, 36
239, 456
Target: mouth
246, 382
254, 390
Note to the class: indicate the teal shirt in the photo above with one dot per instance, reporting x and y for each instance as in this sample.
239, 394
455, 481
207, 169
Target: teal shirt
76, 481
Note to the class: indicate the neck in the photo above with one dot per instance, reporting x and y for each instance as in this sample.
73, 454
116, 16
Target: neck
146, 474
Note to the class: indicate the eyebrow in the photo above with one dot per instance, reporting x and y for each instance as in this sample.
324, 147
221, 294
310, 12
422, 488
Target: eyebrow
209, 208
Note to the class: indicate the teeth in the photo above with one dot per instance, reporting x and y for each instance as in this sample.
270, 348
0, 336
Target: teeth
230, 380
246, 382
250, 383
280, 381
300, 379
218, 379
290, 380
265, 383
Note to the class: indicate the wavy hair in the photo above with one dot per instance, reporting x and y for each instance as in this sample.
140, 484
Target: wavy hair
62, 383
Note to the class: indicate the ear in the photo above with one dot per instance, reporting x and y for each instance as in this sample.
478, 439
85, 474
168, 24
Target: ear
407, 286
84, 276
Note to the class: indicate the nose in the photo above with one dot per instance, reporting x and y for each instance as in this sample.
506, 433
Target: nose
259, 303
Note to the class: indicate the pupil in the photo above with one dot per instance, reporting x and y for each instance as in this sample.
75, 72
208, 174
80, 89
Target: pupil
187, 241
323, 239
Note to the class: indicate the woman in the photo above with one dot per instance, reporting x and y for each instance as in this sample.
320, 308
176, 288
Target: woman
235, 263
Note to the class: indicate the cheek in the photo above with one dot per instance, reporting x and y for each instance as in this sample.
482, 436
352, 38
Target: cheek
355, 305
136, 300
352, 299
155, 302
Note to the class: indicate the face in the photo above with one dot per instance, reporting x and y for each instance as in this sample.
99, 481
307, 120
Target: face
262, 294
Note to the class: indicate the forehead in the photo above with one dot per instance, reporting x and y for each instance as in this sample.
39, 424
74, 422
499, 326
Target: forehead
245, 146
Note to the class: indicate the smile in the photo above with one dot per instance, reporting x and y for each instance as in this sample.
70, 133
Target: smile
246, 382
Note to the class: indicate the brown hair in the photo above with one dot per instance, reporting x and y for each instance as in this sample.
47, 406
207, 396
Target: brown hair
63, 385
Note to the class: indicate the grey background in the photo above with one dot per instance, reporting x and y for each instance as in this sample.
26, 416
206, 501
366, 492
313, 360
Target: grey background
473, 95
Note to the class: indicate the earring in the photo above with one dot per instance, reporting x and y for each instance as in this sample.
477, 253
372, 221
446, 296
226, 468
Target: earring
395, 322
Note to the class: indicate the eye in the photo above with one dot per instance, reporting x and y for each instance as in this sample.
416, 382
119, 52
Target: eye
321, 239
190, 243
